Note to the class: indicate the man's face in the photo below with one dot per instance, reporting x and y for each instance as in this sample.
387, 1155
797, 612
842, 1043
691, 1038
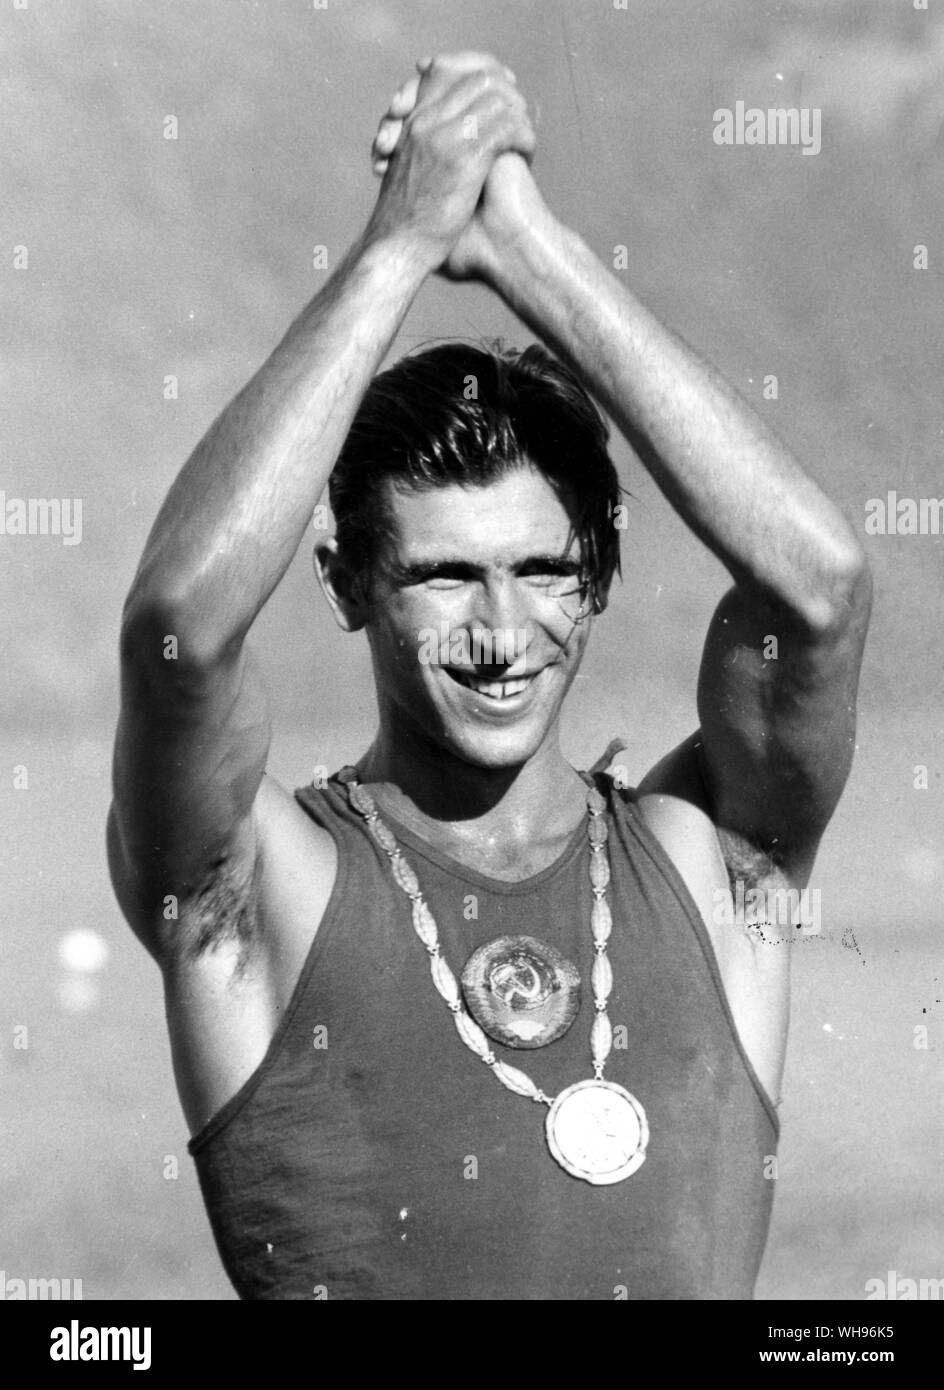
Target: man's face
474, 628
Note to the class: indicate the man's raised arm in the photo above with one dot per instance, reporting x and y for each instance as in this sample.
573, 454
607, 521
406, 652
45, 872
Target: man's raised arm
777, 719
193, 734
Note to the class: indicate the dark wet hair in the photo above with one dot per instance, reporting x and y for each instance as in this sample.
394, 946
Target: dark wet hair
459, 414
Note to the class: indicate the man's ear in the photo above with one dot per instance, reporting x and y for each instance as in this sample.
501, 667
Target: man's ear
338, 587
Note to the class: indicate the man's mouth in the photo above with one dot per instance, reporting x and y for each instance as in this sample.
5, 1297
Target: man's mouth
495, 690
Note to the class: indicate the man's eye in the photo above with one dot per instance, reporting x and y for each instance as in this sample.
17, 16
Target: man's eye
444, 581
548, 576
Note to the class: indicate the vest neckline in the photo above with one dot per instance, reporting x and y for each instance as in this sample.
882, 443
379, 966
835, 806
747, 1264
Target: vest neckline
458, 869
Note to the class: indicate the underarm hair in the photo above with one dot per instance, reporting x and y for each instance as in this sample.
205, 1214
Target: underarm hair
223, 910
746, 863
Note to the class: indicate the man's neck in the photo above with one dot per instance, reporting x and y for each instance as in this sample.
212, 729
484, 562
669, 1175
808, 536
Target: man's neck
501, 814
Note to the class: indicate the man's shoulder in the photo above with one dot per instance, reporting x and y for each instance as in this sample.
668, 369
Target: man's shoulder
286, 831
678, 775
672, 790
672, 801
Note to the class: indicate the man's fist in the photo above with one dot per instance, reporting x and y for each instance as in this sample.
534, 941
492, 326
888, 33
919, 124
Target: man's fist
436, 147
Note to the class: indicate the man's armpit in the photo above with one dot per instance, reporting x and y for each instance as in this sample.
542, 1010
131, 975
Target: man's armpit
222, 912
747, 863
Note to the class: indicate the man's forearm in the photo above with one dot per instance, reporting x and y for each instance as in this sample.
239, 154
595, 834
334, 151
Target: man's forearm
236, 513
733, 482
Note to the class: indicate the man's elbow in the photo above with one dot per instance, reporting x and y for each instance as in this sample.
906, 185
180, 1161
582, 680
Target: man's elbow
844, 597
166, 641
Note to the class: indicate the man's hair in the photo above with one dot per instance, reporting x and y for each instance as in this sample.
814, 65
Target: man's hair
458, 414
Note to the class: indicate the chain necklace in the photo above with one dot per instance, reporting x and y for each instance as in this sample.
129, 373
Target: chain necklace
595, 1129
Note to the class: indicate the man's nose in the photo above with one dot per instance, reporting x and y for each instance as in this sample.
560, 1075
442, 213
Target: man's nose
502, 614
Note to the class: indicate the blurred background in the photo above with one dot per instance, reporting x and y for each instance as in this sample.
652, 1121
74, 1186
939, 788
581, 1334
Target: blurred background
151, 257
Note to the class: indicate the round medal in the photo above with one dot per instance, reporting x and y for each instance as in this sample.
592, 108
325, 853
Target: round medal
598, 1131
522, 992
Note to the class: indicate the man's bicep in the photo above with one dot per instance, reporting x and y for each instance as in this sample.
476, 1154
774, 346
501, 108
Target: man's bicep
776, 705
190, 753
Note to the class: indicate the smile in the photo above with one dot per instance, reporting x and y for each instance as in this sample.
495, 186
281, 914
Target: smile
494, 690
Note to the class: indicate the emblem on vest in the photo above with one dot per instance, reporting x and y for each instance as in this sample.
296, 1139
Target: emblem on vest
520, 991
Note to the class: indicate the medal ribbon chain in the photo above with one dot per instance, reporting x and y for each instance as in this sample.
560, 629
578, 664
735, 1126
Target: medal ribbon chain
424, 924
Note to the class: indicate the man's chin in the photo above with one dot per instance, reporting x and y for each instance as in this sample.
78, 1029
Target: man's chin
496, 749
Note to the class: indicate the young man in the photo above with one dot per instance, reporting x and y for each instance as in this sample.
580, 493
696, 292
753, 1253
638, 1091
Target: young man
349, 1140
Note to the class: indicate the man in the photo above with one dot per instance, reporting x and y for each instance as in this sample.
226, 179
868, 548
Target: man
350, 1143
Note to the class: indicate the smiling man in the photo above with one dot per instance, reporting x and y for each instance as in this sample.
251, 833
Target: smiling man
467, 1023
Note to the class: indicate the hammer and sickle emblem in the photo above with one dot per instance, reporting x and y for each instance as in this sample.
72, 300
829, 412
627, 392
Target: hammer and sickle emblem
521, 991
518, 979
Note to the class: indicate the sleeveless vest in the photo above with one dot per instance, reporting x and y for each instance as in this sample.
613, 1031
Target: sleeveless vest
373, 1156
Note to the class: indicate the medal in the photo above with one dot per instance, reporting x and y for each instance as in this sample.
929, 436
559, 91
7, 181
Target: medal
520, 991
595, 1129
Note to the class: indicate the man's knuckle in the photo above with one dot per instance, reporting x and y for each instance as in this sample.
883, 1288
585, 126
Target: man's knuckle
506, 129
493, 108
441, 66
473, 85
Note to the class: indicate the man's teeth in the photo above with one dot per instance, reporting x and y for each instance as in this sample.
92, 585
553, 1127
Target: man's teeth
498, 690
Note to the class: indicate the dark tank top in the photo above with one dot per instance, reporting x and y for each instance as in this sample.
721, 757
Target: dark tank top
373, 1156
